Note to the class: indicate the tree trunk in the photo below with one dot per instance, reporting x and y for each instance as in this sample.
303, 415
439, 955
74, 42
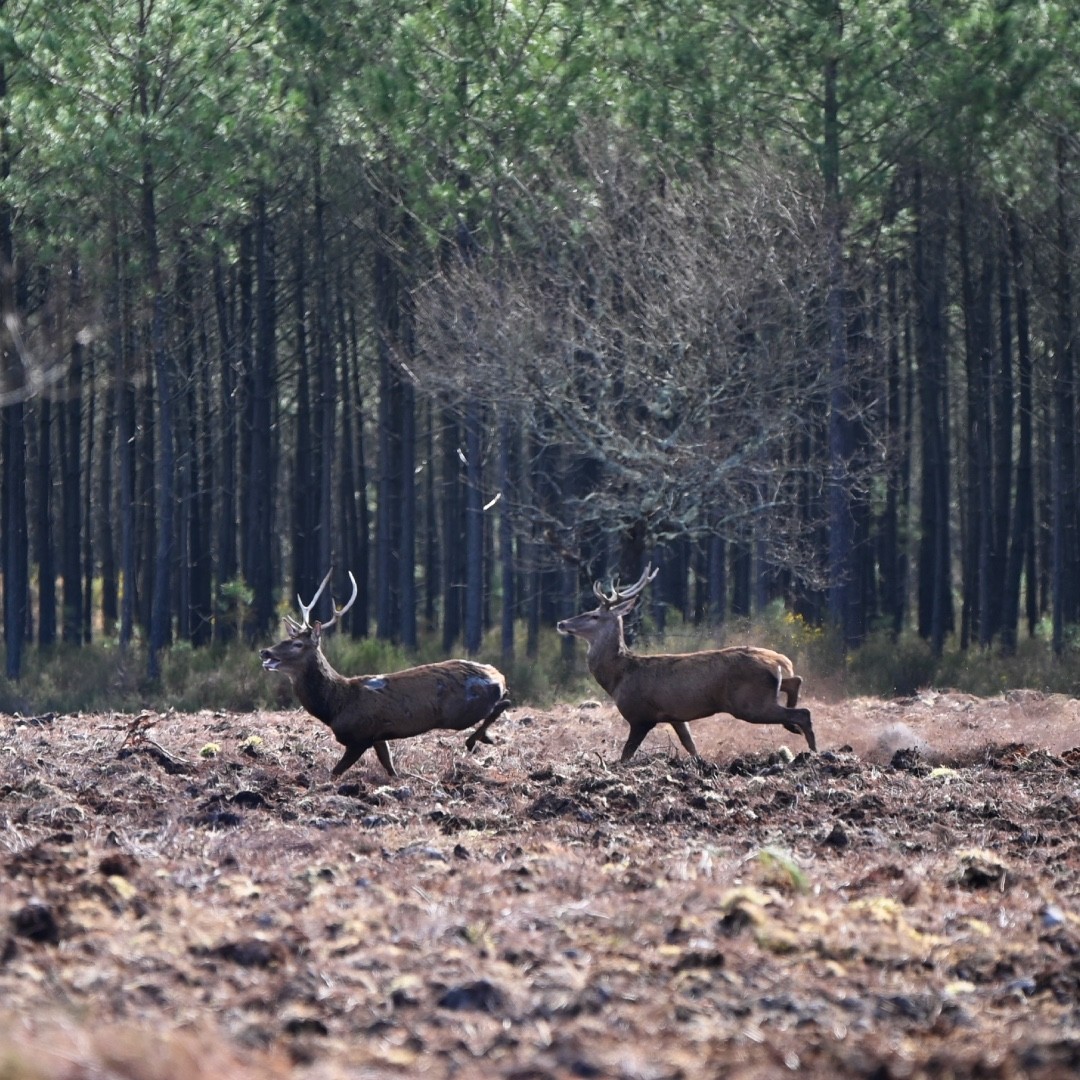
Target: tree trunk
718, 586
260, 483
305, 475
975, 509
897, 449
327, 392
1022, 545
70, 477
474, 529
935, 594
44, 540
161, 611
361, 613
16, 568
244, 400
348, 518
840, 440
388, 511
432, 550
1004, 389
88, 547
1064, 585
146, 503
186, 439
453, 572
202, 565
741, 567
107, 506
126, 442
225, 459
12, 428
407, 464
507, 433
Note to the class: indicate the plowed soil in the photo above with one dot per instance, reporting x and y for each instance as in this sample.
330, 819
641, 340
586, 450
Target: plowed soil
186, 896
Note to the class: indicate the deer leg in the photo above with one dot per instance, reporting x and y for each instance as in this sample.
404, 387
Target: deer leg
638, 731
382, 752
807, 728
480, 734
685, 737
794, 720
798, 721
790, 686
352, 754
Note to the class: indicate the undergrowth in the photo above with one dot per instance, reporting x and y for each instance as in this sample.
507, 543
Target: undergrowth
102, 677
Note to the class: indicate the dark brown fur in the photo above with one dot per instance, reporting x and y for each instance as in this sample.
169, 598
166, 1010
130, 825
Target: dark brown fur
368, 711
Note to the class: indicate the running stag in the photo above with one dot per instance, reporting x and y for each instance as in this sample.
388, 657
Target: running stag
678, 687
368, 711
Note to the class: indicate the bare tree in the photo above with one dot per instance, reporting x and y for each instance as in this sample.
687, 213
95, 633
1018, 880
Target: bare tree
667, 332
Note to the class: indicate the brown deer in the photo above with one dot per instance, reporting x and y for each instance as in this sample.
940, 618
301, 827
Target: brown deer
678, 687
367, 711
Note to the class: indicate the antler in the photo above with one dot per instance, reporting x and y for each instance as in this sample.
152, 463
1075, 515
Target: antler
338, 612
295, 627
617, 595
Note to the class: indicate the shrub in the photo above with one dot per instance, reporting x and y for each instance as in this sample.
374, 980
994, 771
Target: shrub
103, 677
986, 671
887, 666
66, 678
217, 677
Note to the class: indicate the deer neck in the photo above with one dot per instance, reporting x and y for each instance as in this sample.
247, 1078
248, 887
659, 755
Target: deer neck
318, 688
607, 658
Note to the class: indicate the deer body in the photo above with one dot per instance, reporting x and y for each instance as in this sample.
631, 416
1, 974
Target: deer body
369, 711
675, 688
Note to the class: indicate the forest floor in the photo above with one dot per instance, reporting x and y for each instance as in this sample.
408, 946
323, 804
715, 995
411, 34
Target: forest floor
904, 903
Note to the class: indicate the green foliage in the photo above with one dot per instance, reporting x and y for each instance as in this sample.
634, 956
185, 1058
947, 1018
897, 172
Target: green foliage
1033, 666
815, 650
104, 678
886, 666
550, 676
235, 604
69, 679
367, 656
229, 678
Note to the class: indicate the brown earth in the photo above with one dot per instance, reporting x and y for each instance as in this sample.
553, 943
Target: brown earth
905, 903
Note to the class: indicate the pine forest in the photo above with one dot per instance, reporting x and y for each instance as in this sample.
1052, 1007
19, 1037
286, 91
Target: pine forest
484, 302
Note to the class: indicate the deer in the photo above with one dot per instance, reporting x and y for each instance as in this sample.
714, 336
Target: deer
370, 711
675, 688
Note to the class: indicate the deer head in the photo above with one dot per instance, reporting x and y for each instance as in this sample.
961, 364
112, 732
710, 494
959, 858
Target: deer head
605, 621
304, 638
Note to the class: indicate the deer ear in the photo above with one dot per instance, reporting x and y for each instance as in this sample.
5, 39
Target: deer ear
624, 607
316, 631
